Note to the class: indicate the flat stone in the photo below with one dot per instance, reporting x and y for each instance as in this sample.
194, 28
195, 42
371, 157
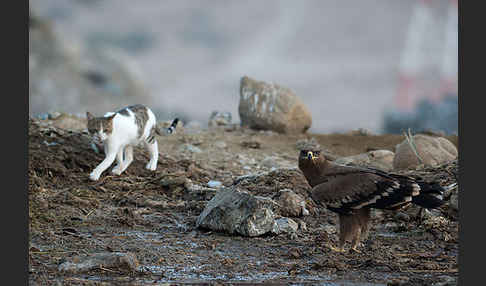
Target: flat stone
111, 260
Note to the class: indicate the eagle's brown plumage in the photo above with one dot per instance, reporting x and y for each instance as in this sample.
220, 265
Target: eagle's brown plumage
352, 191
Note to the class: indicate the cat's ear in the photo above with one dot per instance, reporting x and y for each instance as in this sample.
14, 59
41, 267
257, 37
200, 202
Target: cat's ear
89, 115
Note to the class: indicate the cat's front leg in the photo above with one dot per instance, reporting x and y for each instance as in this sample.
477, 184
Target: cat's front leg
154, 155
110, 157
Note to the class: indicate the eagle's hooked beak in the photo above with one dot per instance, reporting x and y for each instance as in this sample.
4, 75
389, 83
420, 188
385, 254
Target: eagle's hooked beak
310, 156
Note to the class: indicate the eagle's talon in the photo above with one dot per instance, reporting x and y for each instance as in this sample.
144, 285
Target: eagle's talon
336, 249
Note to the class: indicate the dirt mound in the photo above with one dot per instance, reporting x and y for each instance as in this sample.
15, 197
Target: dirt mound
153, 214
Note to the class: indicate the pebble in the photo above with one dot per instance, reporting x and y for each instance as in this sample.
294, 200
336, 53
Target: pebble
402, 216
43, 116
189, 147
53, 115
220, 144
214, 184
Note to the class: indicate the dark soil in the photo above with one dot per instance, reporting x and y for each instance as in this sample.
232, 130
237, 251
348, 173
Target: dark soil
153, 214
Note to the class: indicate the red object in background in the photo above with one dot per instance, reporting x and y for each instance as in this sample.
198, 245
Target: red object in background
410, 89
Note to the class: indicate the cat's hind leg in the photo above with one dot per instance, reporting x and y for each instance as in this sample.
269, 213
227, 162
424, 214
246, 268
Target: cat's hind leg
118, 169
153, 149
128, 157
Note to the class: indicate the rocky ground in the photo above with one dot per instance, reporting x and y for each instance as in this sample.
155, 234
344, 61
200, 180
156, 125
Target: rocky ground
139, 228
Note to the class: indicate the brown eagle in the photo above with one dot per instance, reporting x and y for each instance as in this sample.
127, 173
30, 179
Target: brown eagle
352, 191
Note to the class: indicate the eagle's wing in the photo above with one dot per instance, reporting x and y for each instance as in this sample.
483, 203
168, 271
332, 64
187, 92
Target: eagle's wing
349, 189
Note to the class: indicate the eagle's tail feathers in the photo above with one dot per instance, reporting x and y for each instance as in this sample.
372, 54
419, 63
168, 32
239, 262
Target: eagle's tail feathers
429, 196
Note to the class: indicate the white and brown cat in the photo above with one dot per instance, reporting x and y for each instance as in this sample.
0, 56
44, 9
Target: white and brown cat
120, 131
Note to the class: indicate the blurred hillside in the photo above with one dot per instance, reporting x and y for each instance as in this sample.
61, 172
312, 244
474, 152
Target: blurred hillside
187, 57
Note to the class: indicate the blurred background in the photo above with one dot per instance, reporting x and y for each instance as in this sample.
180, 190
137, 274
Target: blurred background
380, 65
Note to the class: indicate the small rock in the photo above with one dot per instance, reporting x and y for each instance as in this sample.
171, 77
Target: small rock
454, 201
330, 229
193, 127
214, 184
290, 203
302, 225
151, 203
402, 216
189, 148
172, 181
43, 116
285, 225
426, 214
50, 143
435, 222
194, 192
308, 144
270, 162
54, 115
361, 132
295, 253
377, 214
251, 144
218, 118
446, 281
305, 211
401, 280
111, 260
220, 144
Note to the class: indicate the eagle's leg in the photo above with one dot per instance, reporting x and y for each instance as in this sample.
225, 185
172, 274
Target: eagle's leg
363, 216
355, 242
346, 227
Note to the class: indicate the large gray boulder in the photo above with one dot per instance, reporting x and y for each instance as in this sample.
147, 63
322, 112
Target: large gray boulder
266, 106
236, 211
432, 150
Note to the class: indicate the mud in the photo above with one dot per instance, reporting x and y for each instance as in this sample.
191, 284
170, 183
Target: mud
153, 214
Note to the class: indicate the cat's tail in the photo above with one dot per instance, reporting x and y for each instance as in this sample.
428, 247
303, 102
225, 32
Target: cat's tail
171, 128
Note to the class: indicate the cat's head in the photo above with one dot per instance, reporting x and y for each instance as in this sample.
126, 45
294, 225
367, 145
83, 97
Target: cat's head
100, 127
